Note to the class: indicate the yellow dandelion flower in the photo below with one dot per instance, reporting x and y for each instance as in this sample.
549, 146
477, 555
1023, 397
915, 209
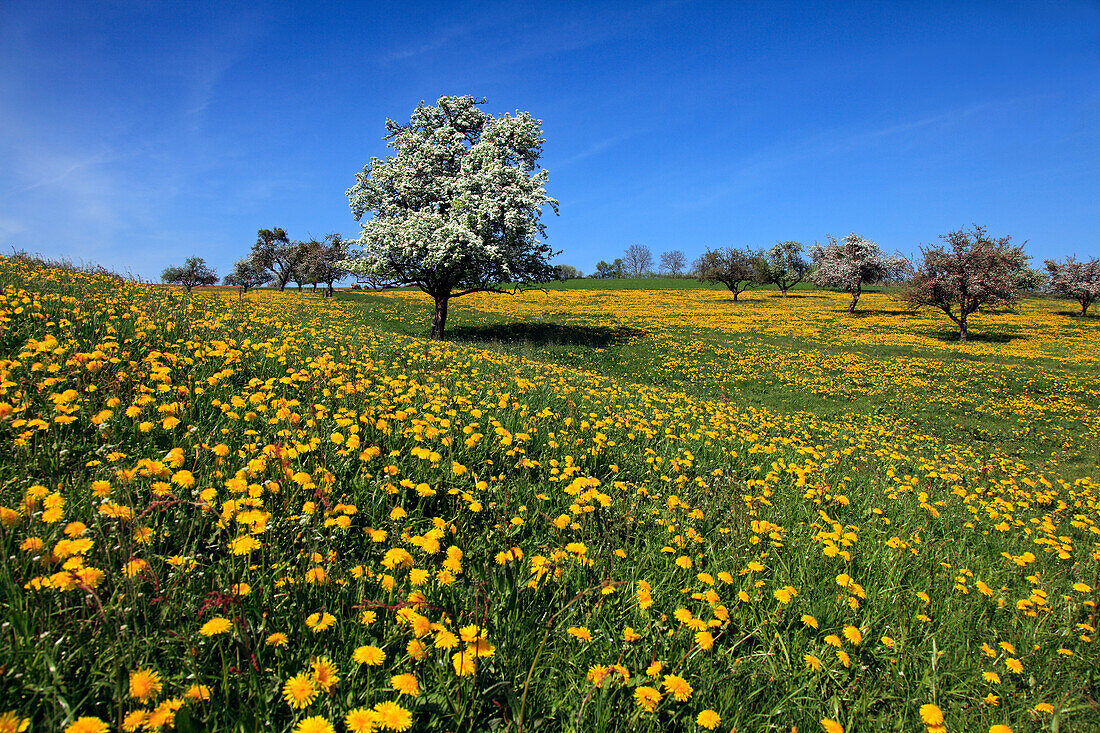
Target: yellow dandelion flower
361, 720
324, 673
197, 693
315, 724
145, 685
300, 691
371, 656
708, 719
87, 724
931, 714
216, 625
405, 684
831, 726
647, 698
677, 687
392, 716
10, 722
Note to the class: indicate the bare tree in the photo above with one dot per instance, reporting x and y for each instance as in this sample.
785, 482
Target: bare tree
734, 268
194, 271
851, 263
638, 260
971, 271
1077, 280
673, 262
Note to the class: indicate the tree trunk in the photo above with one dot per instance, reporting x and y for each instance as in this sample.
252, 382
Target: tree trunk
852, 305
329, 292
783, 290
439, 320
1085, 307
962, 327
735, 294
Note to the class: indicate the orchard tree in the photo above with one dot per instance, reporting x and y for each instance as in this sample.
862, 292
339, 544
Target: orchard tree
194, 271
247, 274
968, 271
608, 270
566, 272
1077, 280
324, 261
784, 266
851, 263
673, 262
638, 260
734, 268
274, 251
457, 209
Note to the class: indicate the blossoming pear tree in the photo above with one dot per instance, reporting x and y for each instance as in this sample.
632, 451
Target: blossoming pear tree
457, 209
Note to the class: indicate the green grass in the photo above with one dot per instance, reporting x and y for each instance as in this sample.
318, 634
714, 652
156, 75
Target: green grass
608, 455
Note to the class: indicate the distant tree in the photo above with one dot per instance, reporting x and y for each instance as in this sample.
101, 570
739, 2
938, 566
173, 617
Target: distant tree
274, 251
566, 272
193, 272
247, 274
637, 260
784, 266
1073, 279
971, 271
607, 270
323, 261
458, 208
302, 275
734, 268
673, 262
851, 263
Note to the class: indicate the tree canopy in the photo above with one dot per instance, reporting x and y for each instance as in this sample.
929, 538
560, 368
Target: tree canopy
734, 268
275, 252
970, 270
194, 271
457, 209
247, 274
784, 266
852, 262
1073, 279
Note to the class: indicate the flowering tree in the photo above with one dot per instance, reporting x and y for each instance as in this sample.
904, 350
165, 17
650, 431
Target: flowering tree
458, 208
1077, 280
971, 271
734, 268
784, 266
194, 271
851, 263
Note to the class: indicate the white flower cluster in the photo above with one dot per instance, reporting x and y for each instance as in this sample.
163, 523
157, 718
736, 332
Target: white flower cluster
458, 207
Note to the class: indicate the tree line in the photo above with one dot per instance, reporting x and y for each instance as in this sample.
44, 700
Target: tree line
457, 209
274, 259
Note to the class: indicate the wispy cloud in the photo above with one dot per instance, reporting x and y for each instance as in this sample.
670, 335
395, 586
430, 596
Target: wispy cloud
783, 155
595, 148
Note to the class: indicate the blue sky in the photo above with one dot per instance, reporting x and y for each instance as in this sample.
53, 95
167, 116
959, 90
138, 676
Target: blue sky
137, 134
